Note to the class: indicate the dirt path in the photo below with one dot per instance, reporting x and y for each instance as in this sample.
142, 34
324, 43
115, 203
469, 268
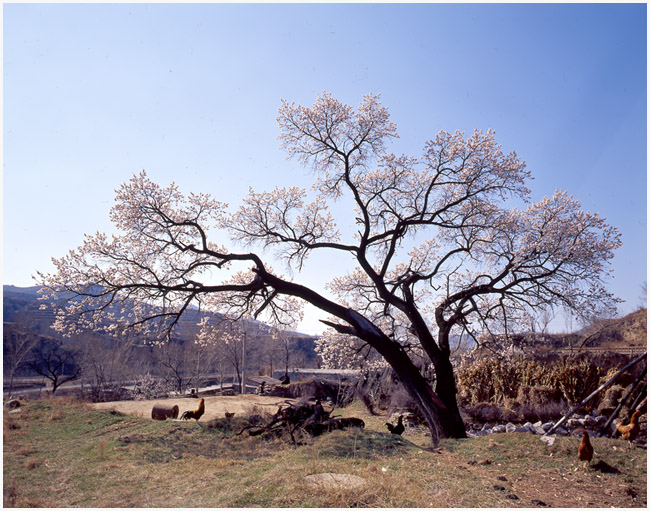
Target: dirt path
215, 407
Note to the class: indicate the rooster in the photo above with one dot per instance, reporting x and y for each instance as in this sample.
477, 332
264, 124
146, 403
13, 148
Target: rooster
398, 429
194, 414
631, 430
230, 415
585, 449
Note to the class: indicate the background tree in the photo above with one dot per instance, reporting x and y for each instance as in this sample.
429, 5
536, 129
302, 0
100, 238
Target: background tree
107, 364
643, 297
177, 364
441, 245
55, 362
230, 339
17, 349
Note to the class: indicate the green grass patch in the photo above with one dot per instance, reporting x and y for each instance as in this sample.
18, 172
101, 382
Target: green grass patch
60, 453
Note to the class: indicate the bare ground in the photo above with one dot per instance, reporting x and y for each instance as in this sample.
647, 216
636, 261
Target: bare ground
215, 407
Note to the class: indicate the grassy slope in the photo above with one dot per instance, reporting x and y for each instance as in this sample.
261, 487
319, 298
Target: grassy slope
60, 454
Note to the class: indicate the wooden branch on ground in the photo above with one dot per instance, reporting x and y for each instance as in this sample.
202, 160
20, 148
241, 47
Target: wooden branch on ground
594, 394
311, 419
605, 429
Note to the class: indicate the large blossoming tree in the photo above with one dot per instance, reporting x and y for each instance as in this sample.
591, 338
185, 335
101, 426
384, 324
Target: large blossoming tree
440, 246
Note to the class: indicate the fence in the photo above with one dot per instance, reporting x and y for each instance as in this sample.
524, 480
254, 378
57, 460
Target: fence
624, 350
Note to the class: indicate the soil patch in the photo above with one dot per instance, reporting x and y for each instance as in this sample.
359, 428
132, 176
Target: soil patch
331, 481
215, 407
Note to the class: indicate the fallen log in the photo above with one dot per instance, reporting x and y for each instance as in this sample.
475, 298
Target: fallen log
327, 426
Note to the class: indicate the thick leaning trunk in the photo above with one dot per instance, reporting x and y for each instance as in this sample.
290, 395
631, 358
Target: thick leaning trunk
446, 391
420, 391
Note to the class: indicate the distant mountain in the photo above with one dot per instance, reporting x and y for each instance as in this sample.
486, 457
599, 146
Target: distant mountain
21, 292
17, 301
22, 312
630, 330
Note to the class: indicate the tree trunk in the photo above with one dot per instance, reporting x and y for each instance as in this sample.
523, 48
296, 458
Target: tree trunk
429, 404
446, 391
425, 399
55, 383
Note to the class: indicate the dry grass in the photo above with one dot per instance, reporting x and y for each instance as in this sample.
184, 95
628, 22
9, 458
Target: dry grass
32, 463
215, 407
99, 458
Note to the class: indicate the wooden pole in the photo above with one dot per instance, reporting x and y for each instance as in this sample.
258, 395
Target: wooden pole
243, 364
642, 393
620, 405
593, 394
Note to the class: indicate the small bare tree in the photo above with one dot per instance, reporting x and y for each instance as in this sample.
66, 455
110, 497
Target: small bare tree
55, 362
18, 348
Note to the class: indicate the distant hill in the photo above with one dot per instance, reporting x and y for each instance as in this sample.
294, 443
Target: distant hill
22, 314
616, 334
18, 292
630, 330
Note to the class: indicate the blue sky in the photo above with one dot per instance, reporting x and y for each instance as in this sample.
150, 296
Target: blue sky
94, 93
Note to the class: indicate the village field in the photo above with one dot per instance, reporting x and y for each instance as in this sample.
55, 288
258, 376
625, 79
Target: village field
62, 453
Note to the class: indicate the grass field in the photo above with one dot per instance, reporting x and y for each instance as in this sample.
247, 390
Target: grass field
59, 453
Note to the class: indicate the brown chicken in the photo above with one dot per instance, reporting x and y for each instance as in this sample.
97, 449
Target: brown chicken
630, 431
585, 449
195, 414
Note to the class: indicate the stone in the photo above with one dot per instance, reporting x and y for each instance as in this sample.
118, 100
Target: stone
575, 423
486, 427
499, 429
590, 421
502, 478
601, 419
538, 430
510, 428
499, 487
548, 440
561, 431
538, 424
512, 496
539, 503
548, 425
